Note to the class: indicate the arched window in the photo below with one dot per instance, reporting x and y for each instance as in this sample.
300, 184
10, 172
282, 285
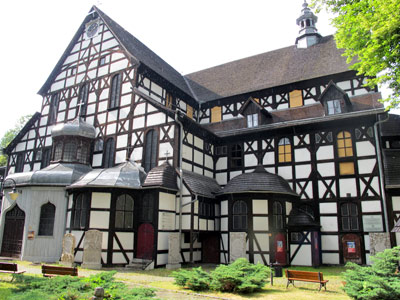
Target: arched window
284, 150
115, 91
239, 215
53, 109
277, 215
344, 144
150, 154
83, 99
108, 156
124, 212
80, 212
349, 213
147, 208
47, 215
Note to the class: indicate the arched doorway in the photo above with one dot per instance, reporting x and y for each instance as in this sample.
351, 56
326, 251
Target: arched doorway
13, 232
145, 241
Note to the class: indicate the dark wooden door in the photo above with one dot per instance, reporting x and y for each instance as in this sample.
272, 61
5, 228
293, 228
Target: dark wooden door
280, 248
145, 241
210, 248
13, 233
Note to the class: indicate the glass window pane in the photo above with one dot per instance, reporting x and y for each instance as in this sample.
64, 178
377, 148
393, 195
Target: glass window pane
128, 220
119, 219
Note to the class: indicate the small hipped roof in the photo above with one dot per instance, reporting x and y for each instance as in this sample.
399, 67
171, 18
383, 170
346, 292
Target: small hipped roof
201, 185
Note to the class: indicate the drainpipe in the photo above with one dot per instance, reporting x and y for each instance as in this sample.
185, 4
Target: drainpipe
180, 178
381, 172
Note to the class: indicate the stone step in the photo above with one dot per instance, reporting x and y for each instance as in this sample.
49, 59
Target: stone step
139, 263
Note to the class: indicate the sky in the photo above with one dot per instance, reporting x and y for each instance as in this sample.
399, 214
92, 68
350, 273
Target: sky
190, 35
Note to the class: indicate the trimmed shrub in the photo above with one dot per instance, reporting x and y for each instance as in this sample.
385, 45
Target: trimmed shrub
376, 282
239, 277
195, 279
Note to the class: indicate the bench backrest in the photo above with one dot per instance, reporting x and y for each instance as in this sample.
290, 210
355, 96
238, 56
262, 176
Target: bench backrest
8, 267
56, 270
304, 275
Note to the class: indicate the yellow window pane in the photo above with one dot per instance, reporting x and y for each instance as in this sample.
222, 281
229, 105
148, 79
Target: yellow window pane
340, 143
341, 152
257, 100
281, 149
349, 152
340, 135
295, 98
347, 134
216, 114
189, 111
346, 168
347, 142
168, 100
288, 148
288, 157
281, 157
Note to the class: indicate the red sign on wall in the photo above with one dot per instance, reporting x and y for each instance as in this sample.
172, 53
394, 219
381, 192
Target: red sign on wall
351, 247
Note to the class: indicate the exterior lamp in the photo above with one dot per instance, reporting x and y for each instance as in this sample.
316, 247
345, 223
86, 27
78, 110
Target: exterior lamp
13, 194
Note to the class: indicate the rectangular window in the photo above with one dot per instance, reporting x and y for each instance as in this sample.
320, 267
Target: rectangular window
216, 114
346, 168
252, 120
168, 100
102, 61
296, 98
334, 107
189, 111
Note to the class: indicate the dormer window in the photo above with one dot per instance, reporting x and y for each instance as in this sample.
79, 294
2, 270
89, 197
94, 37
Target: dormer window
252, 120
334, 106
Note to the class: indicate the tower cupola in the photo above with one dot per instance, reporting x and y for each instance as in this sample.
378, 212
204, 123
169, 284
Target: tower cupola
308, 33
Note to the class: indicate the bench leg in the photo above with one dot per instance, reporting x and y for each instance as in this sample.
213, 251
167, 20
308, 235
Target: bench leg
289, 282
322, 285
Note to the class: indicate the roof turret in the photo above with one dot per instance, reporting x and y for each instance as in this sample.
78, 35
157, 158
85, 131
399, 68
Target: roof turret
308, 34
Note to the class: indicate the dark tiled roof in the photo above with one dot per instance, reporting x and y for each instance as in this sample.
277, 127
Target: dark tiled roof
300, 218
270, 69
21, 134
391, 161
201, 185
162, 176
258, 181
391, 127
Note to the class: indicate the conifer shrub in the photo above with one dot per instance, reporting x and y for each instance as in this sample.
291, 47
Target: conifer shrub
380, 281
196, 279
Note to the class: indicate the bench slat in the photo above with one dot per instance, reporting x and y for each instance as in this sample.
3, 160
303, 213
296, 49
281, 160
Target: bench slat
50, 271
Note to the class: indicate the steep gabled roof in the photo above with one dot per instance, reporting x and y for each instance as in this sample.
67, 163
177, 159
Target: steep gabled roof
270, 69
134, 48
201, 185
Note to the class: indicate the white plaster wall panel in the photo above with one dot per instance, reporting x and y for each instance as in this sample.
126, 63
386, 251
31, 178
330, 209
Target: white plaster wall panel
224, 224
260, 223
124, 112
221, 178
164, 148
92, 98
71, 58
61, 76
151, 108
303, 256
250, 160
366, 166
301, 155
107, 34
234, 174
126, 239
109, 44
258, 259
348, 186
138, 122
260, 206
224, 208
162, 241
20, 147
366, 242
97, 160
92, 74
396, 202
156, 88
196, 223
196, 207
329, 242
185, 222
122, 141
288, 208
27, 168
222, 163
360, 92
186, 166
269, 158
303, 171
263, 241
325, 152
111, 129
330, 258
57, 86
120, 156
101, 200
322, 188
36, 167
308, 190
211, 224
99, 219
102, 71
329, 224
126, 100
365, 148
43, 122
71, 114
374, 185
285, 172
68, 223
224, 242
376, 227
117, 258
198, 142
70, 82
167, 201
208, 162
203, 224
119, 65
156, 119
137, 154
162, 259
344, 85
197, 170
328, 208
93, 65
397, 238
112, 115
62, 105
103, 106
198, 157
190, 138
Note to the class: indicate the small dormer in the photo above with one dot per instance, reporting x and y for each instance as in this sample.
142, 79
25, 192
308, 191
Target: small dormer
335, 100
254, 113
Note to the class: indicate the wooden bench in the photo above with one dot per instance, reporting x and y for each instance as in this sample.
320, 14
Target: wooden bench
51, 271
10, 268
306, 276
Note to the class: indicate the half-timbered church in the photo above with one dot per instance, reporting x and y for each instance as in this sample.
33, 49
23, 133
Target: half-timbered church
287, 147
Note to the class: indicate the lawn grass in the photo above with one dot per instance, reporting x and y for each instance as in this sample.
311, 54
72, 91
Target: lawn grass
161, 279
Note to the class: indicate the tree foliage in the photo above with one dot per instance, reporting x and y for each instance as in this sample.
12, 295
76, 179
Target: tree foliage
369, 33
10, 135
380, 281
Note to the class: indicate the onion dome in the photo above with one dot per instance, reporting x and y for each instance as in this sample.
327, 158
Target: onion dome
77, 127
127, 175
259, 181
162, 176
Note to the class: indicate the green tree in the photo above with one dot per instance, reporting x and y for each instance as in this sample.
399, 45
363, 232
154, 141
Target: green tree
369, 33
10, 135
